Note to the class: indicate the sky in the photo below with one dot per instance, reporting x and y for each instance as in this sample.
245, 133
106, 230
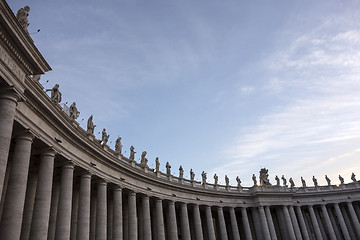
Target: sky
225, 87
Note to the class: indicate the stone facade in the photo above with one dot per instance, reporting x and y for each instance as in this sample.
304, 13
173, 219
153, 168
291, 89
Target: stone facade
58, 182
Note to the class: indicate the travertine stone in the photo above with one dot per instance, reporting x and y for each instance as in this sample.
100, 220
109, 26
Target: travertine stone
246, 224
101, 211
159, 219
288, 223
234, 225
172, 221
328, 222
132, 221
185, 228
270, 223
209, 223
341, 220
265, 228
295, 223
197, 222
354, 218
303, 227
146, 217
10, 227
315, 223
83, 226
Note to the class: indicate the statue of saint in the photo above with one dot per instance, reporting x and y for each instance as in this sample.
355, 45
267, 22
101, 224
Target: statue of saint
55, 94
132, 153
22, 17
315, 181
341, 180
238, 181
264, 177
227, 181
118, 146
216, 179
104, 137
284, 180
181, 172
143, 160
203, 176
157, 164
303, 182
353, 177
90, 126
328, 180
277, 179
168, 168
192, 175
254, 179
74, 113
291, 181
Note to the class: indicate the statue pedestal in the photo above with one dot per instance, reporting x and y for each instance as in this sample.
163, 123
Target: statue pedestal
169, 177
91, 136
132, 163
181, 180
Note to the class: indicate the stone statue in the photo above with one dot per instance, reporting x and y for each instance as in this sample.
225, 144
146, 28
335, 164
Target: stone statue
192, 175
303, 182
36, 77
104, 137
90, 126
226, 181
341, 180
181, 172
216, 179
277, 179
328, 180
291, 181
132, 153
143, 160
22, 17
55, 94
315, 181
74, 113
254, 179
203, 176
353, 177
284, 180
118, 146
238, 181
168, 168
264, 177
157, 164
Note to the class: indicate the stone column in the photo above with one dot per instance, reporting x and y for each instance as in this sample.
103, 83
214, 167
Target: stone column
289, 226
234, 225
328, 222
270, 223
146, 217
222, 224
209, 223
83, 225
101, 211
302, 223
10, 227
246, 224
160, 219
185, 228
54, 208
132, 222
315, 223
41, 212
74, 212
63, 221
266, 232
295, 223
8, 102
118, 218
172, 221
197, 223
354, 218
342, 223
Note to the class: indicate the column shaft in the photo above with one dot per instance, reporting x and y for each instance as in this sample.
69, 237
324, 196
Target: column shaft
354, 218
246, 224
132, 222
83, 225
172, 221
209, 223
270, 223
53, 209
295, 223
315, 223
8, 102
289, 226
341, 221
302, 223
41, 212
197, 223
234, 225
328, 222
146, 217
101, 211
118, 218
185, 228
266, 232
63, 221
11, 220
160, 219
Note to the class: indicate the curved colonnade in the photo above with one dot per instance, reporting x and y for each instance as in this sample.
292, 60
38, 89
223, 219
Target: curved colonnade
58, 182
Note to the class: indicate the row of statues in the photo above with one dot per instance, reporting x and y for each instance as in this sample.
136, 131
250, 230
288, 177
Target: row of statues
22, 16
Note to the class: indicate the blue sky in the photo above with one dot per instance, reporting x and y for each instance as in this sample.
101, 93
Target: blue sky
226, 87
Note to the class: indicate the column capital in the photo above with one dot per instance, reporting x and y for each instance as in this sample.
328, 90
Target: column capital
11, 93
50, 151
25, 135
68, 164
